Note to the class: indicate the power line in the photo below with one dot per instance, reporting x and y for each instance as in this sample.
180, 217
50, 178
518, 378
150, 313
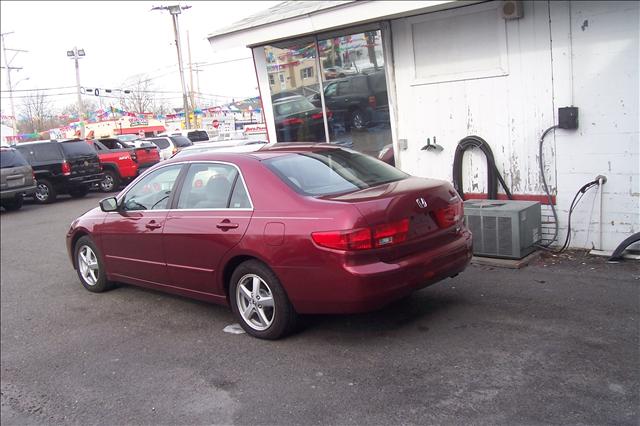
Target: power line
209, 64
37, 90
45, 95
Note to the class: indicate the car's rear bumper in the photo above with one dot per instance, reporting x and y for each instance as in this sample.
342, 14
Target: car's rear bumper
85, 179
11, 193
341, 288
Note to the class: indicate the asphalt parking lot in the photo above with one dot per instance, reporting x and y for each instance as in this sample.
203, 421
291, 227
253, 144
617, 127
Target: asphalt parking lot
556, 342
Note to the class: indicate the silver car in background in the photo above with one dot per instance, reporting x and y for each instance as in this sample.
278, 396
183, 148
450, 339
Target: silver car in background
237, 145
16, 179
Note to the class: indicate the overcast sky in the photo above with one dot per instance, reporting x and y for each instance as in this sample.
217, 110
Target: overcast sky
122, 39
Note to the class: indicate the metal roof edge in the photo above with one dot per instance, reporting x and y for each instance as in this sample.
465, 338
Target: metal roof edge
224, 31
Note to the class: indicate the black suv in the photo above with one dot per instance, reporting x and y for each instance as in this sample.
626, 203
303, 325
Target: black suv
69, 167
357, 101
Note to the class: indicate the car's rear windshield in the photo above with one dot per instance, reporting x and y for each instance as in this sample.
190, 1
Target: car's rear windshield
11, 158
181, 141
198, 136
161, 143
293, 106
77, 149
334, 171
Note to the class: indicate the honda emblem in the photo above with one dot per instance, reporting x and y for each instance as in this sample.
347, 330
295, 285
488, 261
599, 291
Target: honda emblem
421, 203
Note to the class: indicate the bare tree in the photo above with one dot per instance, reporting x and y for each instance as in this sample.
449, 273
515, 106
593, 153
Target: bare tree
37, 113
141, 97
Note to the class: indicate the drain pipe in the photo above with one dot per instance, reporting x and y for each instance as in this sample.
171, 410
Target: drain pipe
601, 181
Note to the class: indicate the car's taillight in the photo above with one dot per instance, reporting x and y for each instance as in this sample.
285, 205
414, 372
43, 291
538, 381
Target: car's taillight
450, 215
66, 169
316, 116
372, 101
290, 121
356, 239
384, 235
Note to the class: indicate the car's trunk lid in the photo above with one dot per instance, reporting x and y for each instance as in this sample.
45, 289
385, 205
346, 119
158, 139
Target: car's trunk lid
416, 199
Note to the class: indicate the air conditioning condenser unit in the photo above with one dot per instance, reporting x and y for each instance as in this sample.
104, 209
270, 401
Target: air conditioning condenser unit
504, 229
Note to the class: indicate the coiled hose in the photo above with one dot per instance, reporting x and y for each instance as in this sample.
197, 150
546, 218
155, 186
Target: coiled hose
493, 175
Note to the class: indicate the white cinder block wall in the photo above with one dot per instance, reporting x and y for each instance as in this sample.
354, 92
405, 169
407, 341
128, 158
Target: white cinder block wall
505, 80
596, 68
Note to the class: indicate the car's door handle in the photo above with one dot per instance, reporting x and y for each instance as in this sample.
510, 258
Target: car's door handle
226, 224
153, 225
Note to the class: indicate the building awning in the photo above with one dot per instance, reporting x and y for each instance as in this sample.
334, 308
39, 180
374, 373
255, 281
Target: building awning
293, 19
136, 130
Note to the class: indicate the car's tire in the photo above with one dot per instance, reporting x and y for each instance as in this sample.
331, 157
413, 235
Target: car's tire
45, 193
13, 204
110, 182
358, 120
79, 192
89, 266
252, 289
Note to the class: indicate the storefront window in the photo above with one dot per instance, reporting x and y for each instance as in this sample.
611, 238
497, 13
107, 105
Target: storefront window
352, 77
355, 91
291, 66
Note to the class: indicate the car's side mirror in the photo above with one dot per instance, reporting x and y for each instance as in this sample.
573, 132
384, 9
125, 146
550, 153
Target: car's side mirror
109, 204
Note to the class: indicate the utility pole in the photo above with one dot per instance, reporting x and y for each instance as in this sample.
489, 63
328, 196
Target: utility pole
175, 10
77, 54
9, 85
193, 102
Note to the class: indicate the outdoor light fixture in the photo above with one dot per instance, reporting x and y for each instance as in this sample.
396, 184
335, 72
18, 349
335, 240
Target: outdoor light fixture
70, 53
80, 52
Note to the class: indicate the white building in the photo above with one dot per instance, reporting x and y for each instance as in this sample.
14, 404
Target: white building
6, 135
499, 70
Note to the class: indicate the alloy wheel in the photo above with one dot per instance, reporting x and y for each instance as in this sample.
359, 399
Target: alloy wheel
255, 302
88, 265
107, 183
358, 120
42, 192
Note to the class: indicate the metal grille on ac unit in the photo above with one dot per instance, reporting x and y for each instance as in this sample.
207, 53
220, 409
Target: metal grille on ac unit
506, 229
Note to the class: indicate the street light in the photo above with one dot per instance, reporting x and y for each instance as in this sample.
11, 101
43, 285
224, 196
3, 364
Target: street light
76, 54
175, 10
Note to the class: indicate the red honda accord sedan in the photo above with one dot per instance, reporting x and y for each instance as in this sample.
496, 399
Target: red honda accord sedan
289, 229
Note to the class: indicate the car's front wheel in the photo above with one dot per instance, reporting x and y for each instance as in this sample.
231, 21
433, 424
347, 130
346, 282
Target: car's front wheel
110, 182
260, 303
90, 267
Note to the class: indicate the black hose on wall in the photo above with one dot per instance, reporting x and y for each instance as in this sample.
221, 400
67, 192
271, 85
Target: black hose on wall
493, 175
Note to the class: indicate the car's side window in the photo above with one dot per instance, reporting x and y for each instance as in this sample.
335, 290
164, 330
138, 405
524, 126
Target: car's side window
239, 197
331, 89
153, 191
344, 87
207, 186
47, 152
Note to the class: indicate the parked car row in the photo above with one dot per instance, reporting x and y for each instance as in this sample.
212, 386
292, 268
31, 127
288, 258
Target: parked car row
45, 169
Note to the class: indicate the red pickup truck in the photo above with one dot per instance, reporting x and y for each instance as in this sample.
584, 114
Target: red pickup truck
122, 164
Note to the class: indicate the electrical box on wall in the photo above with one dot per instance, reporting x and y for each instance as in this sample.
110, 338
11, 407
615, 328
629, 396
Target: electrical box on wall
568, 118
